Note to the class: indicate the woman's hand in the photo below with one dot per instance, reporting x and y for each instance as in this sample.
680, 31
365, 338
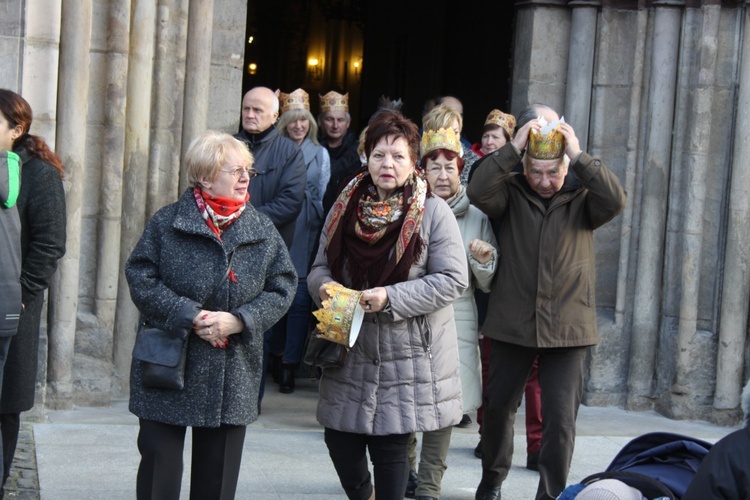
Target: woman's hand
480, 250
215, 326
374, 299
322, 289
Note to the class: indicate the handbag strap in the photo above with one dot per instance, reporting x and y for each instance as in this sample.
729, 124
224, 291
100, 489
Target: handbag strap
221, 281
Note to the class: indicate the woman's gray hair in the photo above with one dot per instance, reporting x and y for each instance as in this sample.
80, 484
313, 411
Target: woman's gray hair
207, 153
292, 116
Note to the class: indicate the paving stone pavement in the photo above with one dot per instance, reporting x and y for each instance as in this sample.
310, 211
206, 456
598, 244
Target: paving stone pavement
23, 482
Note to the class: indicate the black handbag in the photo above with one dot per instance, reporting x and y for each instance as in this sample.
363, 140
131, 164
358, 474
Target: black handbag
324, 353
163, 353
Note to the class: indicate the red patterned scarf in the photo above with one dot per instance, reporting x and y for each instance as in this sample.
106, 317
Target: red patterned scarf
377, 240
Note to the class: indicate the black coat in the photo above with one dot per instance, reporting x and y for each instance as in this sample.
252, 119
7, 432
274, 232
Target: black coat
725, 471
41, 206
171, 272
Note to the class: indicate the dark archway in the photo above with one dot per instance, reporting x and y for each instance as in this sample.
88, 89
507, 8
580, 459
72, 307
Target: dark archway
412, 50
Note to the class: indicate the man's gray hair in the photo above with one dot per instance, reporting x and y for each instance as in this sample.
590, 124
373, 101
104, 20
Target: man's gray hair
746, 402
531, 112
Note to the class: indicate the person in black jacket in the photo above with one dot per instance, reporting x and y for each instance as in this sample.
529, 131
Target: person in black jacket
334, 121
41, 208
725, 471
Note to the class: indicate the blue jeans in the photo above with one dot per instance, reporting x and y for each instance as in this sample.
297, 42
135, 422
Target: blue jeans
297, 324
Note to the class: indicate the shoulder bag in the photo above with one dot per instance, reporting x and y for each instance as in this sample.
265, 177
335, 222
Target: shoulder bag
163, 353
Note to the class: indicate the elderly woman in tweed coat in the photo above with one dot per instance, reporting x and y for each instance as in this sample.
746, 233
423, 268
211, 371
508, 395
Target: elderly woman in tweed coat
182, 255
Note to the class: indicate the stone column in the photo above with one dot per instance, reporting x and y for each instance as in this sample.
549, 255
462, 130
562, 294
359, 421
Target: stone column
696, 167
39, 65
631, 164
135, 171
648, 292
581, 67
736, 288
72, 98
108, 240
168, 98
198, 75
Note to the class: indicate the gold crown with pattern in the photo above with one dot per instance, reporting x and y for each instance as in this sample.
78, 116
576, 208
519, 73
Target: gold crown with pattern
444, 138
333, 101
548, 143
296, 100
341, 316
505, 121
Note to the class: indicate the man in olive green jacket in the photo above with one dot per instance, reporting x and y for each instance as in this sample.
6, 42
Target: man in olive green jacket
542, 300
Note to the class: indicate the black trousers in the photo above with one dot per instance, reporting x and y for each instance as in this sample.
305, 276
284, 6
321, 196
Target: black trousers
390, 461
561, 381
215, 467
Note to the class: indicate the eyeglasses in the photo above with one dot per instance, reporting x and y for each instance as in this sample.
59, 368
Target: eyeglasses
237, 172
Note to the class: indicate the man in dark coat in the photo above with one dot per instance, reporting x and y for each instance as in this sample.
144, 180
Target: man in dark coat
542, 300
334, 121
725, 471
279, 189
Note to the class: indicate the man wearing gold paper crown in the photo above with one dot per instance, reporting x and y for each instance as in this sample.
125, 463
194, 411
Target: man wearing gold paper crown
279, 188
334, 121
542, 301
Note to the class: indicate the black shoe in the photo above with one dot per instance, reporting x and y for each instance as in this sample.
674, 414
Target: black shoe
487, 492
411, 485
478, 450
465, 422
532, 461
425, 497
286, 385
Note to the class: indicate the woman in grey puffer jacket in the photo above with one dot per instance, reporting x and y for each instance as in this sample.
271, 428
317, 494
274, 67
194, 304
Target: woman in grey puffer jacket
385, 235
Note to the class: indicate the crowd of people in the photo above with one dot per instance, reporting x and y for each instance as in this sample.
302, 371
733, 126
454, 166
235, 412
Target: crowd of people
475, 264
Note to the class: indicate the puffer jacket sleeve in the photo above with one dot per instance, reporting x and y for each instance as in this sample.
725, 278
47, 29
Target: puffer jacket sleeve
319, 272
272, 303
446, 274
163, 307
483, 273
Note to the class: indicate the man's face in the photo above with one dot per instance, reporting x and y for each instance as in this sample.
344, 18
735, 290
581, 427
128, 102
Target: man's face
334, 124
545, 177
258, 110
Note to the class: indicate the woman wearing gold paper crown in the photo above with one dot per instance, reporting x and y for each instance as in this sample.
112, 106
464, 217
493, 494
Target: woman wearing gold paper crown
496, 133
442, 166
388, 237
298, 124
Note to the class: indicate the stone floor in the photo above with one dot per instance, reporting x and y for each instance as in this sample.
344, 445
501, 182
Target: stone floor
23, 482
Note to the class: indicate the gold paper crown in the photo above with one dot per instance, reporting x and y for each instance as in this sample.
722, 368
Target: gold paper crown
548, 143
504, 121
441, 139
338, 315
333, 101
296, 100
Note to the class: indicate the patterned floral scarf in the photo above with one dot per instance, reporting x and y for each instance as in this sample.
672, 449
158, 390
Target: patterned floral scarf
377, 240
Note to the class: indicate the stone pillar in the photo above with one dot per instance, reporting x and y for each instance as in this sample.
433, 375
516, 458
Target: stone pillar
39, 65
135, 172
72, 97
648, 292
541, 44
631, 164
581, 67
696, 166
108, 240
197, 83
736, 287
168, 98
